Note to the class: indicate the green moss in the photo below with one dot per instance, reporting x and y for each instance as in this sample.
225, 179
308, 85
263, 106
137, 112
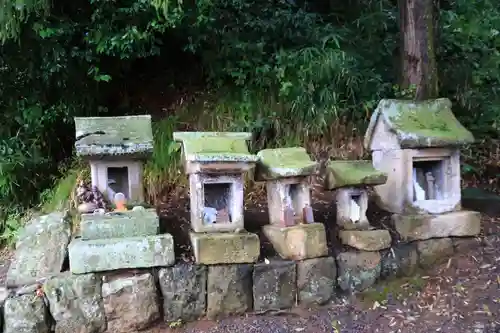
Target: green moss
397, 289
114, 135
352, 173
284, 162
426, 123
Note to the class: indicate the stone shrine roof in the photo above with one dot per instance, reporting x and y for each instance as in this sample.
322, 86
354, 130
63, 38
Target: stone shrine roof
206, 147
419, 124
126, 136
352, 173
284, 162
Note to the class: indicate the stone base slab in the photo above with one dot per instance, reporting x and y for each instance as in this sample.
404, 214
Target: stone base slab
422, 227
98, 255
225, 248
143, 222
303, 241
366, 240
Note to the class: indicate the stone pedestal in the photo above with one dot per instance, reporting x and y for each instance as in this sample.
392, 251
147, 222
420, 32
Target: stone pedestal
225, 248
366, 240
120, 240
422, 227
298, 242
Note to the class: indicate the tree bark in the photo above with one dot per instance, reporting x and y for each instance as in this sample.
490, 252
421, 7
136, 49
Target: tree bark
418, 21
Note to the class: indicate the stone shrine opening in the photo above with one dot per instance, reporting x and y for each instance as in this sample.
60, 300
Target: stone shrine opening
118, 181
429, 179
218, 202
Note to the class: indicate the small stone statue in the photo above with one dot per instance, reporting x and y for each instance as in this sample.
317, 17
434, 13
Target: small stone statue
120, 202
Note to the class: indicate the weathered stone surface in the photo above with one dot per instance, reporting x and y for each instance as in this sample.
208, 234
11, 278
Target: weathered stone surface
229, 289
225, 248
284, 162
76, 303
274, 285
215, 146
41, 249
429, 123
358, 270
133, 223
25, 314
298, 242
4, 293
400, 260
366, 240
118, 253
422, 227
316, 280
184, 289
114, 136
352, 173
434, 251
130, 302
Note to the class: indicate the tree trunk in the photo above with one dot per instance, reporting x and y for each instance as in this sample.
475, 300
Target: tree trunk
418, 20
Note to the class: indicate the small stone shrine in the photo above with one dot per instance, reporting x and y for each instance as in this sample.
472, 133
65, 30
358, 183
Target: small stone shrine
292, 230
417, 145
216, 163
123, 238
351, 181
116, 148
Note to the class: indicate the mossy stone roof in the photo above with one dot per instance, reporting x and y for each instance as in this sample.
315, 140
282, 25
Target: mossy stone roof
352, 173
205, 147
420, 124
101, 137
284, 162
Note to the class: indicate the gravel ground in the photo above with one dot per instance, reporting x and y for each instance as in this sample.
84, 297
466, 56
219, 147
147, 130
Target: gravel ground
461, 295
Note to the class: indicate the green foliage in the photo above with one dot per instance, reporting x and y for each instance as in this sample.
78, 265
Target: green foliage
284, 70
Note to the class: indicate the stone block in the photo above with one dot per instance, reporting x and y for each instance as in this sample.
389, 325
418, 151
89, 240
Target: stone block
41, 249
134, 223
225, 248
422, 227
358, 270
184, 290
76, 303
130, 302
303, 241
434, 251
229, 290
274, 285
366, 240
115, 253
400, 260
466, 244
316, 280
25, 314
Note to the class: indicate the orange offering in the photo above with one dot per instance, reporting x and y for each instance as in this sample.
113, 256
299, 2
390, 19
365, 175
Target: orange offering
120, 202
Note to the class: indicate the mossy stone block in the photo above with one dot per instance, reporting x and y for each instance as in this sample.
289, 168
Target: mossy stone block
352, 173
284, 162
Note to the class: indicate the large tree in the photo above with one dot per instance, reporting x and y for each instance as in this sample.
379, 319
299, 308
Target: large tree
418, 24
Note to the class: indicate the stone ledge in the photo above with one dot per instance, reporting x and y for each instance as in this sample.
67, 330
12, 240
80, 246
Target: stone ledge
423, 227
120, 225
225, 248
366, 240
98, 255
303, 241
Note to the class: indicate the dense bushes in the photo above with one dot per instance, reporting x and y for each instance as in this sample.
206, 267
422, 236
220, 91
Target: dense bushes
275, 65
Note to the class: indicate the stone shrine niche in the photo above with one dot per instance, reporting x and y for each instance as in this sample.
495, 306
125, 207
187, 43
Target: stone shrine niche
351, 180
286, 172
417, 145
116, 148
292, 229
216, 164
